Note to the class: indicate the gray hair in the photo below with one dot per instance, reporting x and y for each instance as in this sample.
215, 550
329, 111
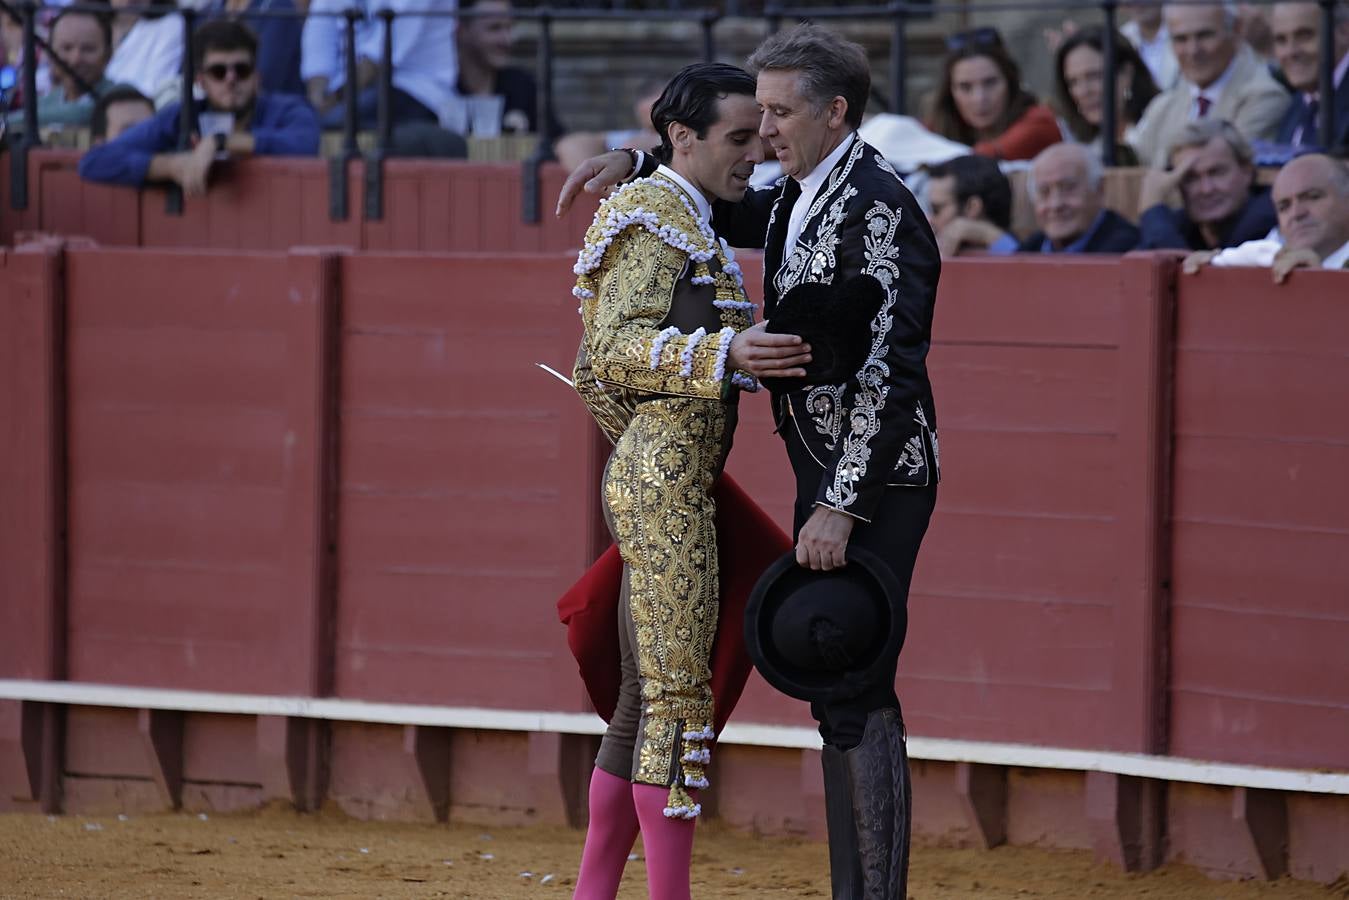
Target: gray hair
1230, 12
829, 66
1090, 162
1198, 132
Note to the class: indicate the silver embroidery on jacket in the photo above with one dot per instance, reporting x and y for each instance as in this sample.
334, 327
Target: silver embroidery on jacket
881, 253
825, 404
819, 258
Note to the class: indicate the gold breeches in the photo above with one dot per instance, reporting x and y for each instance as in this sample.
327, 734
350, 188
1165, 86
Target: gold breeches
657, 493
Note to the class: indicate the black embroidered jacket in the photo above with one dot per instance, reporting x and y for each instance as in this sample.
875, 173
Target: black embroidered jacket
878, 429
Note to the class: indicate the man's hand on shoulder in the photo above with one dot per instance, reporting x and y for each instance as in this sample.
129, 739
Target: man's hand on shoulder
761, 354
822, 544
595, 175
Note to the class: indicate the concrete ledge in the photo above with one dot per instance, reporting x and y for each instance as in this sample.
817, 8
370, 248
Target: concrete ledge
1138, 765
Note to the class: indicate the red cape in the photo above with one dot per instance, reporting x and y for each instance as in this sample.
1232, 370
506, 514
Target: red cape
748, 541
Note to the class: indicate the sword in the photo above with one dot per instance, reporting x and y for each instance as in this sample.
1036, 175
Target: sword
556, 374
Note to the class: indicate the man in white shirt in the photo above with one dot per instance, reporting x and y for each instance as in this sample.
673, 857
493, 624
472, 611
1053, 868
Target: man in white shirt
1220, 76
424, 64
1147, 32
323, 50
1311, 197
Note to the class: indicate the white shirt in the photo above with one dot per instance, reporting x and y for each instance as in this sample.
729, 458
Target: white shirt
810, 186
1337, 260
700, 203
1261, 253
1213, 91
1157, 54
323, 42
150, 57
424, 63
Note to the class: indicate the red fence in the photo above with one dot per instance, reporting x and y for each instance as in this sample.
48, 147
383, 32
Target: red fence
276, 204
340, 474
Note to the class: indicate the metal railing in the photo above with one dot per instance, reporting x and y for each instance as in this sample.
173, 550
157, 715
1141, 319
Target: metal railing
898, 13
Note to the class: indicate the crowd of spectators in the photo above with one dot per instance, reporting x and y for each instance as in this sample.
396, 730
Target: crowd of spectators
1205, 95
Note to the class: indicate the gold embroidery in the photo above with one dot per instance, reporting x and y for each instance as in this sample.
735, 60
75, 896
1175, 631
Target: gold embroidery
657, 490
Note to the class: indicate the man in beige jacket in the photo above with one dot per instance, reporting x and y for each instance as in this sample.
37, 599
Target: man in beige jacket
1220, 77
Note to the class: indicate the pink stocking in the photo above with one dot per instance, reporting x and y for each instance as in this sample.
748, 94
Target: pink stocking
668, 842
613, 828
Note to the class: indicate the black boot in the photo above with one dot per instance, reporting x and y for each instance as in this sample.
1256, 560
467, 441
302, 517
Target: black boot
878, 772
845, 867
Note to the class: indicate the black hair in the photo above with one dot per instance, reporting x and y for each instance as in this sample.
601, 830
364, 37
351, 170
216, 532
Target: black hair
122, 93
691, 99
223, 34
103, 21
979, 176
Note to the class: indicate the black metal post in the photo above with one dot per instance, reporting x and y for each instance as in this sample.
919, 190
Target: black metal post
708, 20
1109, 75
18, 165
530, 189
374, 163
1327, 88
338, 199
187, 119
899, 58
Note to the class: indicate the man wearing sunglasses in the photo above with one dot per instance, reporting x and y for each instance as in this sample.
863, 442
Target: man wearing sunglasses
233, 120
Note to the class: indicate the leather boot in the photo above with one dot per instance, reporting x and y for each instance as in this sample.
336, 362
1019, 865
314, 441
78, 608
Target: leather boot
845, 868
878, 773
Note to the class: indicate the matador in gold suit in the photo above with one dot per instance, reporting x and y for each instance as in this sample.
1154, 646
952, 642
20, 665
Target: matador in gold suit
661, 300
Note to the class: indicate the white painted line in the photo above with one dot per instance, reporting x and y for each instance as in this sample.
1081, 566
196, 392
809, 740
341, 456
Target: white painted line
1141, 765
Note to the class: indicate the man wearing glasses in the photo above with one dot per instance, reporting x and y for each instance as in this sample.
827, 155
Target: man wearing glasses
234, 120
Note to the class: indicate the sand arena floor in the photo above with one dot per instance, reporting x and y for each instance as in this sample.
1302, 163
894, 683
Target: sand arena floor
278, 853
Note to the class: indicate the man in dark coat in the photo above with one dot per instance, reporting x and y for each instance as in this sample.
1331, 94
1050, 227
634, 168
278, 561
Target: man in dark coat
1213, 170
1065, 185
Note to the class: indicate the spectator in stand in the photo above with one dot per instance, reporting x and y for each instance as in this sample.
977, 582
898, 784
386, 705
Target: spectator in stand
117, 111
278, 25
486, 76
1066, 186
1147, 32
1212, 168
148, 49
234, 119
1311, 196
982, 103
1079, 68
1220, 77
83, 40
575, 148
424, 66
970, 204
323, 50
1297, 48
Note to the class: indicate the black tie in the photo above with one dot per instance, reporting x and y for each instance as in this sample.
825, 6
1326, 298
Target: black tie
1310, 129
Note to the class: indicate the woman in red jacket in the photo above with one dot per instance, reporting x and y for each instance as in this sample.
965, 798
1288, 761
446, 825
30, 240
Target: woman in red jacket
981, 101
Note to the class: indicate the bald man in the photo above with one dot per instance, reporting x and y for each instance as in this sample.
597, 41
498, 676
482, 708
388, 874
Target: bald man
1066, 188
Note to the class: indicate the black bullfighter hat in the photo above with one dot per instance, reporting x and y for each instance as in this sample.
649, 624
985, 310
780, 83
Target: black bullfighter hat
822, 636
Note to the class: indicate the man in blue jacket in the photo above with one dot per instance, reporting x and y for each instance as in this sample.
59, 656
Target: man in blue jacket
234, 120
1212, 169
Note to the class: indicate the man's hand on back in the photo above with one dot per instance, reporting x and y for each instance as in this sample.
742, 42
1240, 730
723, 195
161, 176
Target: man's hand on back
595, 175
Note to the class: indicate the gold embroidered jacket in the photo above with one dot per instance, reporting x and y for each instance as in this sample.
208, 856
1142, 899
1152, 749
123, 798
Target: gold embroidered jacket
661, 300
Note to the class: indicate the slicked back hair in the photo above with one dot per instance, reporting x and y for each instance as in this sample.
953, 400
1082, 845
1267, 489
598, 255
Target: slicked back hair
691, 100
828, 65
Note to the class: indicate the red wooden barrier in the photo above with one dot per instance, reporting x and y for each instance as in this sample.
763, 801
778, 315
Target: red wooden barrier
276, 204
465, 499
1260, 622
